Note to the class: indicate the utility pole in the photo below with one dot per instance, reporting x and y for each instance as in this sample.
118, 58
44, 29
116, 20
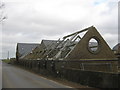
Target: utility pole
8, 55
2, 18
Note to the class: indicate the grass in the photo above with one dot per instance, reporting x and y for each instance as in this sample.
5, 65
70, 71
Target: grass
6, 60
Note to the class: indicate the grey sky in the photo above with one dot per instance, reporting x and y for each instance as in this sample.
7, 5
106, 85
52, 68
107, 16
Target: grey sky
34, 20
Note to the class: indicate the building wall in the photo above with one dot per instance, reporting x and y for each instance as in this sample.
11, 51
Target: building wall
81, 50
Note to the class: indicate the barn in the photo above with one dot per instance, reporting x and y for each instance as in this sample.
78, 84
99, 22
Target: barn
24, 49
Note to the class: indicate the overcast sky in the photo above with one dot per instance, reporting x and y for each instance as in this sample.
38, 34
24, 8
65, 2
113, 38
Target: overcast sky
33, 20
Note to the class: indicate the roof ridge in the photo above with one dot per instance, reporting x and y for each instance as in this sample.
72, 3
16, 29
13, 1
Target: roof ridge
28, 43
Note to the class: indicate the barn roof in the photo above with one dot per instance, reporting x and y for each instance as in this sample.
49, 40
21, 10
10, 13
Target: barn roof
25, 48
49, 44
116, 47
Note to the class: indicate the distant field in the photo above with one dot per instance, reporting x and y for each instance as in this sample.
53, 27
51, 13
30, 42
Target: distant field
6, 60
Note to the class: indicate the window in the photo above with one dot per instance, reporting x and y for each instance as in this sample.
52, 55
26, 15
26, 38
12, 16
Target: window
93, 45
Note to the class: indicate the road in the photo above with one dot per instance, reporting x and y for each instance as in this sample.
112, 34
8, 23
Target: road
14, 77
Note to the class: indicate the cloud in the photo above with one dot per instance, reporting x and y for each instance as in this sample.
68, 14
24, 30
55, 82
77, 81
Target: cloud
32, 21
111, 39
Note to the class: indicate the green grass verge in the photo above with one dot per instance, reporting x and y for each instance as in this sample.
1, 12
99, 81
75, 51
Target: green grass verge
6, 60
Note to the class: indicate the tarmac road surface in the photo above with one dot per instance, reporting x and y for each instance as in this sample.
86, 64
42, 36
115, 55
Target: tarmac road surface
14, 77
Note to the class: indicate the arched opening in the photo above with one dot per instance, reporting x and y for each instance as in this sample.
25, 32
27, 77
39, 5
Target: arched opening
93, 45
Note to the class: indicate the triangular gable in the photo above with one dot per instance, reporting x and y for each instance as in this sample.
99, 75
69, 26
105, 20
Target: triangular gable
82, 51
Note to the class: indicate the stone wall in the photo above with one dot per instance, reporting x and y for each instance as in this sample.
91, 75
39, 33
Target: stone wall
63, 70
